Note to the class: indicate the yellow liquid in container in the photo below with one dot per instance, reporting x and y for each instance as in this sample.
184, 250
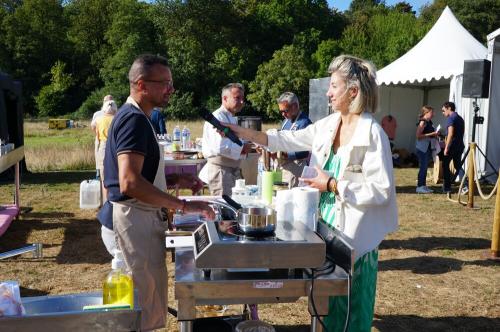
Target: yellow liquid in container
118, 288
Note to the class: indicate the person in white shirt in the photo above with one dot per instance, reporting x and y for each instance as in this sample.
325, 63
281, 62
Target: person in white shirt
223, 156
93, 125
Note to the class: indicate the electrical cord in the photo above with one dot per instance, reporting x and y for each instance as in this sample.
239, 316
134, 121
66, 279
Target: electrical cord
327, 269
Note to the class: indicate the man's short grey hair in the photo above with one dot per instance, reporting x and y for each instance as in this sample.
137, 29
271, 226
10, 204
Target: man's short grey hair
289, 98
143, 66
228, 87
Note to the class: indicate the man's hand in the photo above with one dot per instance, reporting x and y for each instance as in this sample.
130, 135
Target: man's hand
247, 147
446, 151
200, 207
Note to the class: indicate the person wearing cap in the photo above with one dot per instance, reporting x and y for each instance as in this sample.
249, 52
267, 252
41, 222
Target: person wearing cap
223, 165
292, 162
102, 124
96, 116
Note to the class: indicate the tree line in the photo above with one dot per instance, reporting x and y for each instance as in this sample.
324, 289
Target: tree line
69, 54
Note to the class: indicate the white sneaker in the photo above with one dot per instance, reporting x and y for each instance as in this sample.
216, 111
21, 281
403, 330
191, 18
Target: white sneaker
465, 191
424, 190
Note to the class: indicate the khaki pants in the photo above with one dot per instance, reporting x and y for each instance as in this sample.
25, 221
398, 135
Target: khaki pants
140, 233
221, 179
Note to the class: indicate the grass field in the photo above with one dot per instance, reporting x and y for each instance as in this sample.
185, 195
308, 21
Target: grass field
432, 276
73, 149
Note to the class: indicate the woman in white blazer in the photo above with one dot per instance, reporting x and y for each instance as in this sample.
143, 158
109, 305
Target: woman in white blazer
353, 157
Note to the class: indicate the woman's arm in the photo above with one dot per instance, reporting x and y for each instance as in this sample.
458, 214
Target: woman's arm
420, 130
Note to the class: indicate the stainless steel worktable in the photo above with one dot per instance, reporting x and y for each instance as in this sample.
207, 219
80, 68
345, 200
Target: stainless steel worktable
192, 288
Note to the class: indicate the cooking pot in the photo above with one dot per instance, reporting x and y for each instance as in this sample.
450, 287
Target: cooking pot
253, 221
252, 122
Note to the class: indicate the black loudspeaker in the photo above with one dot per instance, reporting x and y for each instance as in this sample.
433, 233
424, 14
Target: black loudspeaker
476, 81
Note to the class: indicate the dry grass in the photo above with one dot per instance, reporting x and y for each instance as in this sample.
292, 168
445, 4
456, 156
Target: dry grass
73, 149
432, 275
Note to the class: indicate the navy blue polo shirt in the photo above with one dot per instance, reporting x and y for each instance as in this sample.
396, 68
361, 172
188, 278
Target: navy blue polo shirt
300, 123
456, 121
130, 131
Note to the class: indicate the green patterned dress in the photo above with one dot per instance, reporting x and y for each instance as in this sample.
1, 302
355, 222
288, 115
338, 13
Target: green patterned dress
364, 281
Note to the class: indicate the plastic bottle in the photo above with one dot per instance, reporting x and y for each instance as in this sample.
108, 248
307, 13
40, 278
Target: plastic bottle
186, 137
260, 170
176, 134
118, 287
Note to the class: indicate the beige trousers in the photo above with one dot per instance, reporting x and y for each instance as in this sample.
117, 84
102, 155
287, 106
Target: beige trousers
140, 234
221, 179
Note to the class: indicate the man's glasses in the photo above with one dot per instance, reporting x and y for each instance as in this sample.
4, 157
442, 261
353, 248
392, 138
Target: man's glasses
285, 110
167, 83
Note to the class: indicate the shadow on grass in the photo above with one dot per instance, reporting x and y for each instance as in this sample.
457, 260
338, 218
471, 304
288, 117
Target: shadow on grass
452, 324
27, 292
81, 239
57, 177
429, 265
426, 244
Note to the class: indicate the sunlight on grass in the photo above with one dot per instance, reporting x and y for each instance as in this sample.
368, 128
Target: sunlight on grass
73, 149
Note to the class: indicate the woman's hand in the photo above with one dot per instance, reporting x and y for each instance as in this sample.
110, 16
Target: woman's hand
319, 182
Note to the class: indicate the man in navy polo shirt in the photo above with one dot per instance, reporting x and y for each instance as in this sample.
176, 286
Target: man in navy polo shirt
135, 181
454, 144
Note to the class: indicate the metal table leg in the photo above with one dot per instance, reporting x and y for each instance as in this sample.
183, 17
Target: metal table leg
316, 325
186, 326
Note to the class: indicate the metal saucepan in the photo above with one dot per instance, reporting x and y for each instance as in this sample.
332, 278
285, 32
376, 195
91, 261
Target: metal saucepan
253, 221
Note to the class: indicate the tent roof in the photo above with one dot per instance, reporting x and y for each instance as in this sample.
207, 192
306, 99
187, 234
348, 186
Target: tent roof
440, 54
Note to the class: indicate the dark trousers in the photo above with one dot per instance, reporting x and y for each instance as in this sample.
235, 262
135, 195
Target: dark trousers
423, 164
455, 155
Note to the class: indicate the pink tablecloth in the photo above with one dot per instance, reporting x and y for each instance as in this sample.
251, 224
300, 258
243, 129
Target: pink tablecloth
6, 216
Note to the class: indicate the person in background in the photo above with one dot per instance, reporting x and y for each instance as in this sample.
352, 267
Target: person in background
135, 181
101, 129
158, 121
223, 166
389, 124
425, 143
454, 144
292, 162
353, 158
96, 116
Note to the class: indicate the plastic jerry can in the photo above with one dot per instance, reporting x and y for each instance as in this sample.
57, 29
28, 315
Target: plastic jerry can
90, 194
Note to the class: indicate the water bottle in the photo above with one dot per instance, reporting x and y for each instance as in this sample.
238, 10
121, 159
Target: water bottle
186, 137
260, 170
176, 139
176, 134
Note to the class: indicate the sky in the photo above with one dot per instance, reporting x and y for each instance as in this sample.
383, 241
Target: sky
344, 4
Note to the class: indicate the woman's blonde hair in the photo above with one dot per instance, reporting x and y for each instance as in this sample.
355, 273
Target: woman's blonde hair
361, 74
424, 110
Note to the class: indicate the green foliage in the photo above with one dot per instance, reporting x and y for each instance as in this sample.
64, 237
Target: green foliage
327, 50
34, 38
208, 43
181, 106
286, 71
52, 98
382, 38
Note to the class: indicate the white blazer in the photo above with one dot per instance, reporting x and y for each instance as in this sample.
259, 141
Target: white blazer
366, 205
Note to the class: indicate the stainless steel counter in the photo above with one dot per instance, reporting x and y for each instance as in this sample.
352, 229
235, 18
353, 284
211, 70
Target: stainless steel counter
192, 288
